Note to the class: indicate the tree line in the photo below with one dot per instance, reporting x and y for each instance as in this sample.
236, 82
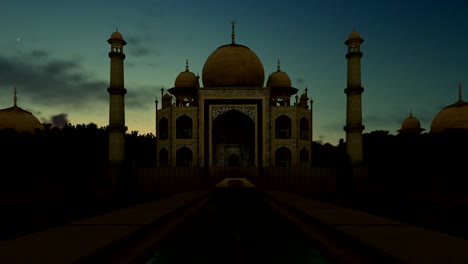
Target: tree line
75, 155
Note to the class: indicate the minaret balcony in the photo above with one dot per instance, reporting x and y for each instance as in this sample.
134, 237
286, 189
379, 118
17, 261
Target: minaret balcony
354, 90
354, 128
118, 54
118, 128
118, 91
353, 54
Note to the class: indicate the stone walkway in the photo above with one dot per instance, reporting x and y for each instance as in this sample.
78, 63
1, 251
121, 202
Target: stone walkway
77, 240
403, 242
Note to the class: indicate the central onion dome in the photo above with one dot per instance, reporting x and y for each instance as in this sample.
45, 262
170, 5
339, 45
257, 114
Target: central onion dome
452, 117
411, 125
233, 65
19, 119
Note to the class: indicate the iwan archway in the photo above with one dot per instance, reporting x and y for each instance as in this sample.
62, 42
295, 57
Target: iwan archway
233, 137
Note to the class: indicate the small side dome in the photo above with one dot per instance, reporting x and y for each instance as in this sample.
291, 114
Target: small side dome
354, 35
117, 38
278, 79
116, 35
411, 125
186, 79
354, 38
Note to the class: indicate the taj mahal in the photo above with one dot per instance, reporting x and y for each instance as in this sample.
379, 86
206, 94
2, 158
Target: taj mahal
232, 118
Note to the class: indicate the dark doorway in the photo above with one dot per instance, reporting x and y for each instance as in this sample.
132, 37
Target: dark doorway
304, 155
233, 129
184, 127
163, 158
304, 126
283, 127
283, 157
163, 128
233, 161
184, 157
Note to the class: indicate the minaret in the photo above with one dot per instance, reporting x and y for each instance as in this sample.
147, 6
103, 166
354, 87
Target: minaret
117, 92
353, 92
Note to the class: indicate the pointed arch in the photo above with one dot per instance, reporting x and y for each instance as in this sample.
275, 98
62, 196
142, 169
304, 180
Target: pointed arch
163, 128
304, 157
283, 157
163, 158
184, 157
184, 127
283, 127
304, 128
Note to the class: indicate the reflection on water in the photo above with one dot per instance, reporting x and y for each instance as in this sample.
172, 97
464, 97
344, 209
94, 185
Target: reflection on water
236, 227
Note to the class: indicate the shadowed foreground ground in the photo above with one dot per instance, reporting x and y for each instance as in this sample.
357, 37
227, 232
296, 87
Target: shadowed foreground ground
444, 212
28, 212
237, 227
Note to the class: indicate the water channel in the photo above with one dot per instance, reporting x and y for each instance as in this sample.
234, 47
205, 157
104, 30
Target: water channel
237, 227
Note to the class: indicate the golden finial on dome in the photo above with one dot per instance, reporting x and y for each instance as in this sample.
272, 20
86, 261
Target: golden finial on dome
305, 90
186, 65
411, 112
278, 68
233, 33
15, 99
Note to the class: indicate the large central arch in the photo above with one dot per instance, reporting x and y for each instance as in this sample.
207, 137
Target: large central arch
233, 140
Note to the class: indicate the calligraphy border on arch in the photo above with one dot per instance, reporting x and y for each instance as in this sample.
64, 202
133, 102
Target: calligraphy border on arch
249, 110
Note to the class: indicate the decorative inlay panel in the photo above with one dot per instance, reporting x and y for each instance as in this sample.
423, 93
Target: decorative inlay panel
248, 110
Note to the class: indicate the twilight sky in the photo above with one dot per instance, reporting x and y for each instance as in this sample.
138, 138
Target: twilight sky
55, 53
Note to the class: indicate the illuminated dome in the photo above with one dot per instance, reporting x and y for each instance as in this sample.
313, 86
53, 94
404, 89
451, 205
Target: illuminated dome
116, 35
186, 79
354, 35
411, 125
116, 38
233, 65
452, 117
278, 79
19, 119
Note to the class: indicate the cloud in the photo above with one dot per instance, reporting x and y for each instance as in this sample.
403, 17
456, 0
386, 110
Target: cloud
141, 51
60, 82
139, 46
142, 97
50, 81
59, 120
300, 81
